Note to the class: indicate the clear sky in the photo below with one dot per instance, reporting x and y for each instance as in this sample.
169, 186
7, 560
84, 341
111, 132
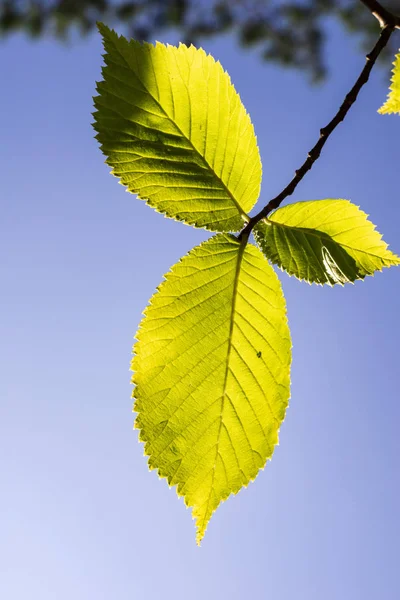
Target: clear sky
81, 516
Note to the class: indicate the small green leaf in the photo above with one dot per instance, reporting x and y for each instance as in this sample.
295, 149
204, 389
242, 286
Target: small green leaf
324, 241
392, 104
175, 132
211, 366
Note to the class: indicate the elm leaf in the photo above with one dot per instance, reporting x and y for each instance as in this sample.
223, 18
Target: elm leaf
176, 133
212, 366
323, 241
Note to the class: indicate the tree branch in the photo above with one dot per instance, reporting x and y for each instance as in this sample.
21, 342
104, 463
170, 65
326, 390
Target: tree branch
325, 132
384, 16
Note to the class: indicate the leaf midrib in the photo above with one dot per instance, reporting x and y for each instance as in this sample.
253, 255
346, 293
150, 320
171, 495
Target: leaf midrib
326, 236
239, 260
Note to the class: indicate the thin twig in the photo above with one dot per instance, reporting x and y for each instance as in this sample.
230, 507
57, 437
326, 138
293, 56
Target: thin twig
325, 132
384, 16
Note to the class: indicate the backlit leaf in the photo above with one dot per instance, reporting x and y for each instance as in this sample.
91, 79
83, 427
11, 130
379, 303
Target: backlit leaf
211, 366
175, 132
392, 104
324, 241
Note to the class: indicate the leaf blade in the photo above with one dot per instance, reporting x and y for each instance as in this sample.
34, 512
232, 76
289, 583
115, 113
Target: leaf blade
392, 104
175, 132
323, 241
212, 372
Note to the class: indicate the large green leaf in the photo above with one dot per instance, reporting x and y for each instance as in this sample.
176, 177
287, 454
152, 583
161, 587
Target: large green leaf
323, 241
392, 104
212, 372
175, 132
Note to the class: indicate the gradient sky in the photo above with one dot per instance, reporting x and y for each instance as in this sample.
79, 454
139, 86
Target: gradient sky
81, 516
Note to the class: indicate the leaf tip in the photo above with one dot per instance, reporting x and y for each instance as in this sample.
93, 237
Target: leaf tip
201, 526
103, 29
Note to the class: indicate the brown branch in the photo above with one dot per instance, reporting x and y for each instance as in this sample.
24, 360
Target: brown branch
325, 132
384, 16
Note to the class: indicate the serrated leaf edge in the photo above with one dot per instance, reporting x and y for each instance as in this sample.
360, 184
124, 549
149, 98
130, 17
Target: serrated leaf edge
268, 220
199, 536
384, 109
107, 34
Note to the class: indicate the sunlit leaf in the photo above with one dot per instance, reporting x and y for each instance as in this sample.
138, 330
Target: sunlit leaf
324, 241
392, 104
212, 372
175, 132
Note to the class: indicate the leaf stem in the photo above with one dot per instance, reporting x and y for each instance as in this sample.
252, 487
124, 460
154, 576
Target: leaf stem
326, 131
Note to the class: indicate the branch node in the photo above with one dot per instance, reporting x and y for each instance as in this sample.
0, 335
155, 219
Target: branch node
385, 17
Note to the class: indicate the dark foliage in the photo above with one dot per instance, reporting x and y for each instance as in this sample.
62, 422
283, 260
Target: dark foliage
289, 33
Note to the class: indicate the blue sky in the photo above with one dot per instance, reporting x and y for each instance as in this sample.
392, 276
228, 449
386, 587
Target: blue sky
82, 517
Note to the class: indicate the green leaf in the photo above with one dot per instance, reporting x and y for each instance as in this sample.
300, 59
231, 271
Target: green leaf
175, 132
392, 104
323, 241
211, 366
